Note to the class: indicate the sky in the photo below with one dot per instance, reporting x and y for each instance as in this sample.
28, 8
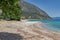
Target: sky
51, 7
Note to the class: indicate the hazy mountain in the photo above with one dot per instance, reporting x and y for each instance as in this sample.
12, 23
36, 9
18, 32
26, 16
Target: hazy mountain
56, 17
30, 11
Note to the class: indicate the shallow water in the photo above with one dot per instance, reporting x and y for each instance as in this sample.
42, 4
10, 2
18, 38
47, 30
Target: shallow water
49, 24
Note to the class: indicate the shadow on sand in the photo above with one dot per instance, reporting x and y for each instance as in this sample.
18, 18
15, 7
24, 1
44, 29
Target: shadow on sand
10, 36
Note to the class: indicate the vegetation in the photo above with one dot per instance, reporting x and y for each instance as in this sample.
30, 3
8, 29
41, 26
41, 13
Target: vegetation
11, 10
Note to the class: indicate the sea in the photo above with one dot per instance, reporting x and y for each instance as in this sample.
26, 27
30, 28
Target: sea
53, 24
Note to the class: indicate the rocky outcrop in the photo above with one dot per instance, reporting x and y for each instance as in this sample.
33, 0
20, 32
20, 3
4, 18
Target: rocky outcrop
26, 31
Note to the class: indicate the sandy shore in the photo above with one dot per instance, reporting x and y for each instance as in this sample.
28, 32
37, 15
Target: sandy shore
29, 30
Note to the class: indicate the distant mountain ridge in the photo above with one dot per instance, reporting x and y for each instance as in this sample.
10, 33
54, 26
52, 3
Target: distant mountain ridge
30, 11
56, 17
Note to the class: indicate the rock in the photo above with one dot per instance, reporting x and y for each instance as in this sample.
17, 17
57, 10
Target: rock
10, 36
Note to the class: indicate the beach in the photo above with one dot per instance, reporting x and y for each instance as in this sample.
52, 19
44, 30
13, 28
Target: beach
29, 30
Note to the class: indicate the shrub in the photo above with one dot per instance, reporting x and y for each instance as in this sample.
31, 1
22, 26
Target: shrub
10, 9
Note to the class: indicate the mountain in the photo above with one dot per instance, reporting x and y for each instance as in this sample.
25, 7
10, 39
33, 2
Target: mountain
56, 18
30, 11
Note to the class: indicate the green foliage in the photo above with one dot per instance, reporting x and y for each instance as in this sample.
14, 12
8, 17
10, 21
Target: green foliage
10, 9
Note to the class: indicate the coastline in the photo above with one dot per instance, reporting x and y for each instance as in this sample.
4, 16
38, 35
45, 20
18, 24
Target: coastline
44, 27
29, 30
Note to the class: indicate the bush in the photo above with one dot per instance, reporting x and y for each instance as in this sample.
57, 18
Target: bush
10, 9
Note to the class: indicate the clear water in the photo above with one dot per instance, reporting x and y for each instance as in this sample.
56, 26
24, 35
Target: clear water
50, 24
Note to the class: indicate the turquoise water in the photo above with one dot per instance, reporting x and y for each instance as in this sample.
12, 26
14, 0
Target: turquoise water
50, 24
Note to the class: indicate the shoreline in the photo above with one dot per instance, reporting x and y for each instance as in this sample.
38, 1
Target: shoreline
44, 27
29, 30
42, 24
29, 22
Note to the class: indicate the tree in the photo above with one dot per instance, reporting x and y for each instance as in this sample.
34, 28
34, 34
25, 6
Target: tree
10, 9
